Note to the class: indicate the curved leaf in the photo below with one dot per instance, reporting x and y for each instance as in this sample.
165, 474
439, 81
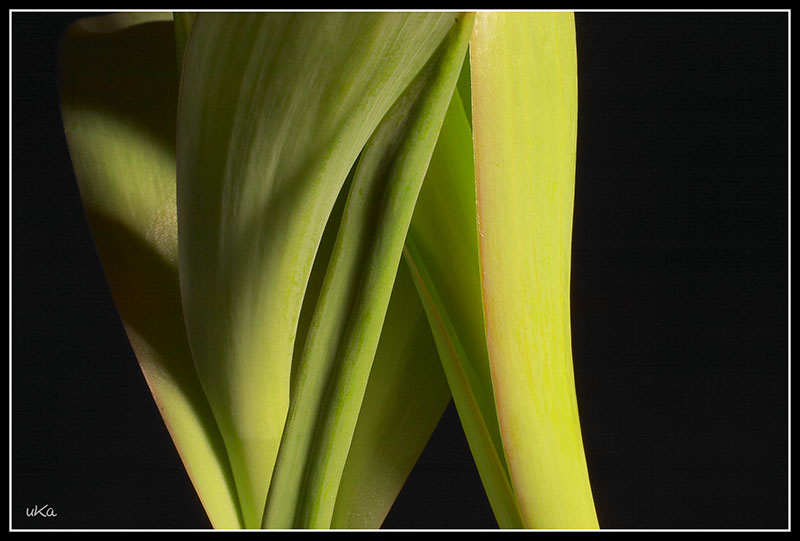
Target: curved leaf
340, 348
405, 398
524, 106
273, 111
119, 95
406, 395
442, 253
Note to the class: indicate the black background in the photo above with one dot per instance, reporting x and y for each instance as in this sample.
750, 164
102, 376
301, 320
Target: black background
680, 298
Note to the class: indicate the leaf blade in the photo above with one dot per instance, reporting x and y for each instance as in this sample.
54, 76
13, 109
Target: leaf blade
524, 82
258, 173
442, 253
119, 92
336, 360
405, 398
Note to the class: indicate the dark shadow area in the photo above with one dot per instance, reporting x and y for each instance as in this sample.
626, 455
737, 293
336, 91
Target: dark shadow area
444, 490
146, 291
680, 267
134, 87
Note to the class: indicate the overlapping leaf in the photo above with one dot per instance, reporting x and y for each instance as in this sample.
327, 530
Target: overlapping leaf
338, 353
273, 111
405, 398
501, 321
119, 92
442, 252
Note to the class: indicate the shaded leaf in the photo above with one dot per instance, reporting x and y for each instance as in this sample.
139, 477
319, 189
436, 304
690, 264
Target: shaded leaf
341, 345
405, 398
273, 111
182, 21
119, 95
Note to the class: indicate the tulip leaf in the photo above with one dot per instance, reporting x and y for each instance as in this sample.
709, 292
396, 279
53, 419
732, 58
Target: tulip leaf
294, 358
274, 109
442, 253
524, 106
405, 398
119, 92
341, 345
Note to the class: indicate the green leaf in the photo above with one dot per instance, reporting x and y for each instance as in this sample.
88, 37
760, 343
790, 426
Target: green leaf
405, 398
442, 253
524, 106
464, 89
339, 350
119, 94
273, 111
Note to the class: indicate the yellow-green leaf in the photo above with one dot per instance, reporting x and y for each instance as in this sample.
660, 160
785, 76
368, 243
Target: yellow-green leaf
442, 253
119, 93
524, 107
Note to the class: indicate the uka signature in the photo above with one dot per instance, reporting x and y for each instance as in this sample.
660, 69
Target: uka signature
43, 511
